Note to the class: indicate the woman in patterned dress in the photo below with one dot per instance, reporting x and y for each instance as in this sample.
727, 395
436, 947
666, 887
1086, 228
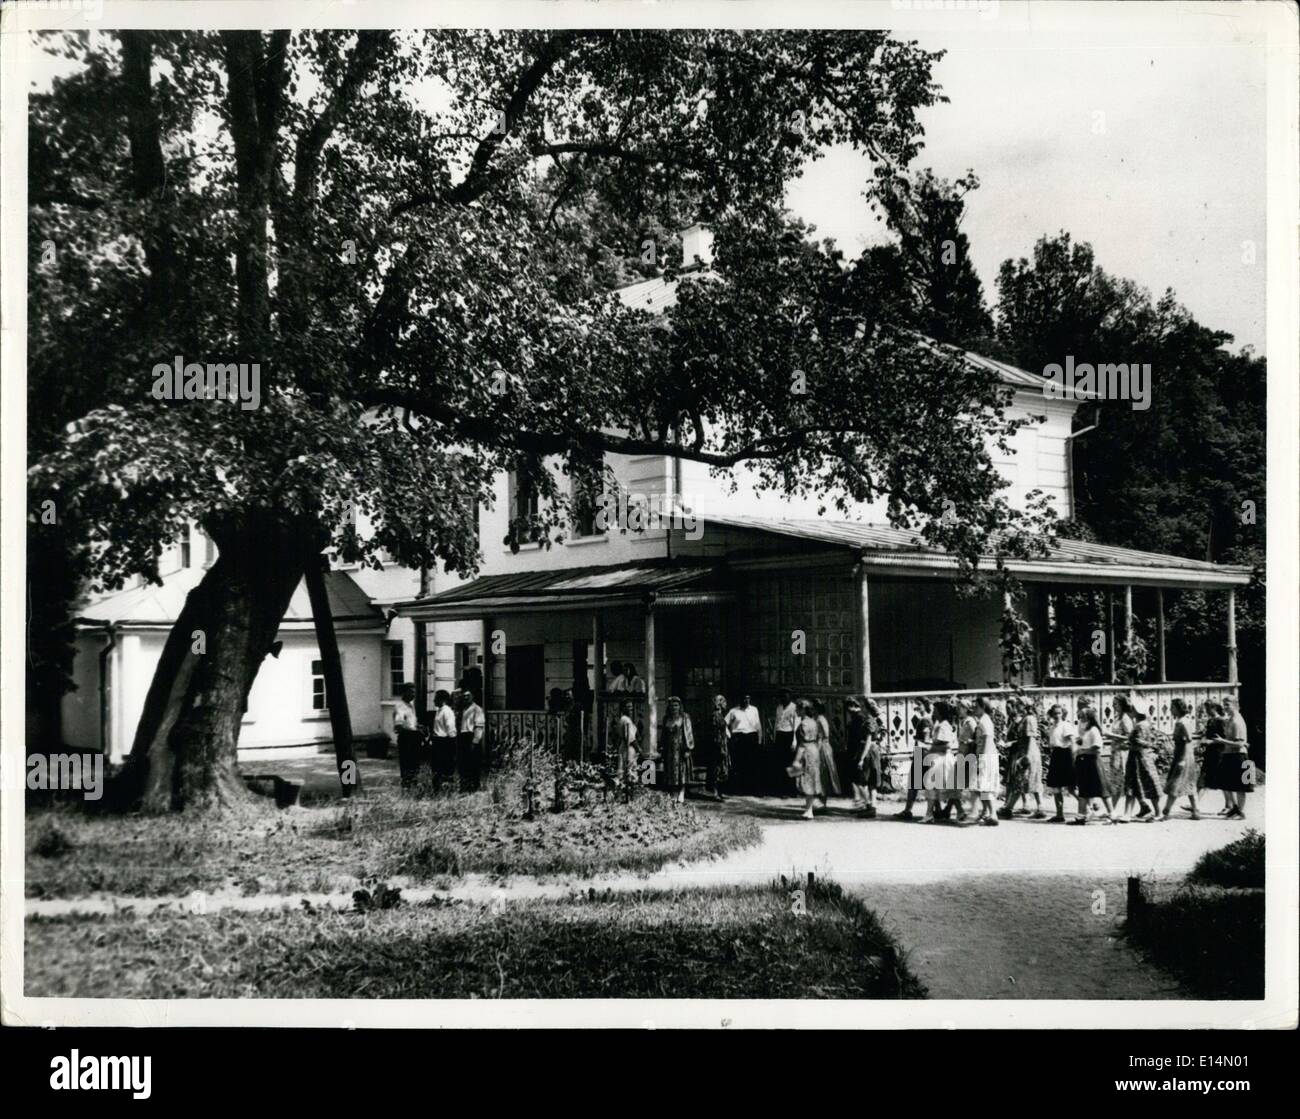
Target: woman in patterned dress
1024, 762
1141, 778
720, 756
830, 778
1182, 780
679, 748
807, 767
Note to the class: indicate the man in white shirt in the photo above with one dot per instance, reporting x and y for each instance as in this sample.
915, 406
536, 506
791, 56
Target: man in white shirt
444, 739
469, 742
745, 734
407, 735
782, 753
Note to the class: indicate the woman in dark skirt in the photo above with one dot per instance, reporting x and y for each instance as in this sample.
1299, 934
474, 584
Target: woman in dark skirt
1182, 778
1213, 741
1141, 778
1236, 773
1090, 777
1060, 762
864, 751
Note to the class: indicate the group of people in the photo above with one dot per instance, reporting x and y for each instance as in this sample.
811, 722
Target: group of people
955, 763
451, 745
957, 767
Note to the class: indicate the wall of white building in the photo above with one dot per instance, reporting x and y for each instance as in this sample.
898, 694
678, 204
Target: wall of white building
280, 713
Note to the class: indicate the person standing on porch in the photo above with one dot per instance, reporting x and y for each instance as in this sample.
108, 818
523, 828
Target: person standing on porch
720, 757
1236, 771
406, 732
746, 737
624, 741
986, 766
1182, 778
444, 739
787, 720
1090, 779
678, 741
806, 768
469, 742
1060, 763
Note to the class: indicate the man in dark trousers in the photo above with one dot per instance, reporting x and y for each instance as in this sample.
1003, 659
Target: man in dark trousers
410, 738
469, 742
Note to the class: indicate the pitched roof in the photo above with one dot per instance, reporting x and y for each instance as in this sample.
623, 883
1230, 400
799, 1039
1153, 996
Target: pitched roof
158, 605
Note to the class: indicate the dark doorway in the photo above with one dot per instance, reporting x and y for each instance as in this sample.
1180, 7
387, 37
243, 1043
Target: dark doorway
526, 677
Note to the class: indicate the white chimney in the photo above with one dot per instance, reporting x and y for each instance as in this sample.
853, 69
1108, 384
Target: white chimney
697, 246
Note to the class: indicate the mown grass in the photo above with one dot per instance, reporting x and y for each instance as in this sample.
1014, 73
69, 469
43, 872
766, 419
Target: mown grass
1210, 932
380, 836
729, 942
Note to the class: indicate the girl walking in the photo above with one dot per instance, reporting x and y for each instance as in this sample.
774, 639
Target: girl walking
1090, 779
1024, 763
1060, 763
940, 767
1182, 778
986, 769
1141, 779
830, 779
806, 769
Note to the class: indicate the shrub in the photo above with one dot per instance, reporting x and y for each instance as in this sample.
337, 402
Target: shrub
1238, 864
51, 841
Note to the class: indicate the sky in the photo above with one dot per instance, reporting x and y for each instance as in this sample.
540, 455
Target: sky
1136, 128
1166, 184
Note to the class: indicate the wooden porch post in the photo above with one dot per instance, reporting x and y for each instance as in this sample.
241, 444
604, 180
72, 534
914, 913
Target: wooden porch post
861, 627
1232, 635
651, 715
598, 681
1110, 636
1160, 633
1128, 615
335, 692
1042, 635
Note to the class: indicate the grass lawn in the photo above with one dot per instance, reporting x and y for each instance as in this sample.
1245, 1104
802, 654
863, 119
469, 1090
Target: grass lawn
379, 837
733, 942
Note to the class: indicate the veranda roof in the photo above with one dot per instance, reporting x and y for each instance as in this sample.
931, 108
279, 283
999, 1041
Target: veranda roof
901, 552
671, 583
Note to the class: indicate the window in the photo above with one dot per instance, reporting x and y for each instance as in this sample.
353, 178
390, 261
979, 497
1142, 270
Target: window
585, 492
186, 550
525, 504
319, 700
209, 550
395, 665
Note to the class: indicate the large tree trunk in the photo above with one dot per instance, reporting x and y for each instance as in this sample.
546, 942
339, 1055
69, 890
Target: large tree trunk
186, 742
